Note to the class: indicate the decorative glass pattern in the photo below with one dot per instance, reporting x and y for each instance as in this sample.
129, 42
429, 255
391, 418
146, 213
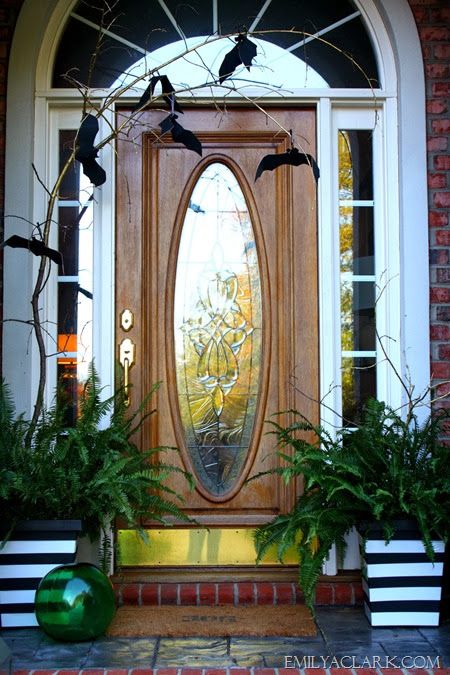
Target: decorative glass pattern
217, 328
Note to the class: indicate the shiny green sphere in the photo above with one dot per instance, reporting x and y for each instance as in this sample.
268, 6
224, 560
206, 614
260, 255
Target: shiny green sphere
75, 602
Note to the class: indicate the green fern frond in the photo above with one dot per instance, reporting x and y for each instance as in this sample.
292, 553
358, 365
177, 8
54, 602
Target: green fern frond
387, 468
85, 471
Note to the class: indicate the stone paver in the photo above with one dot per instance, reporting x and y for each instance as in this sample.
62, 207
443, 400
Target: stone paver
272, 652
193, 652
342, 633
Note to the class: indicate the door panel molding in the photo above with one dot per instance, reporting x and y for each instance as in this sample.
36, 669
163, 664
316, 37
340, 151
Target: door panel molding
213, 145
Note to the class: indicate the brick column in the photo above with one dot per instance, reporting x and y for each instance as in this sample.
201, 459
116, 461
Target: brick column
433, 21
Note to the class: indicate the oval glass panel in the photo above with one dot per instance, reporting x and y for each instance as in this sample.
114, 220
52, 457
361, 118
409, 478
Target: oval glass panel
217, 329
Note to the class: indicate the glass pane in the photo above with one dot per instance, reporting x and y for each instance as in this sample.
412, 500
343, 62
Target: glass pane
358, 384
68, 240
70, 185
217, 329
358, 316
355, 164
356, 239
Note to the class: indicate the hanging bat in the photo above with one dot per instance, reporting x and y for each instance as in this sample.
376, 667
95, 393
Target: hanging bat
242, 53
86, 152
167, 91
36, 247
180, 134
292, 156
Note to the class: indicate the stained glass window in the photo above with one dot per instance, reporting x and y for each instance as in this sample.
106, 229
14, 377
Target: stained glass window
217, 329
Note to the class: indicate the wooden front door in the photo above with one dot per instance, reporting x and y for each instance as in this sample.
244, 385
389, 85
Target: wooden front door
220, 274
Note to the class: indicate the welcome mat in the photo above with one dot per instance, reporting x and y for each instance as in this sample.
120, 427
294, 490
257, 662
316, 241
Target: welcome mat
221, 621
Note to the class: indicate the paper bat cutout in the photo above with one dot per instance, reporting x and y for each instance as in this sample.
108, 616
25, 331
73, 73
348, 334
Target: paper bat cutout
180, 134
292, 156
167, 90
35, 246
243, 52
86, 152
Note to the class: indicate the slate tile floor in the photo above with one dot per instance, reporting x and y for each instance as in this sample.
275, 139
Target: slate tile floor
342, 632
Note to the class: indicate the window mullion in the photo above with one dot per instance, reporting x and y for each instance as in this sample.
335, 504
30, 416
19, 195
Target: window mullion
328, 245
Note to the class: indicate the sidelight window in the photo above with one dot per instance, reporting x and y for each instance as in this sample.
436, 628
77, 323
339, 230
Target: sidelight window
357, 270
75, 278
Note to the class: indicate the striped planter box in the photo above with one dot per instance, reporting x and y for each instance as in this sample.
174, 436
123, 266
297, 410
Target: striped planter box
34, 548
401, 586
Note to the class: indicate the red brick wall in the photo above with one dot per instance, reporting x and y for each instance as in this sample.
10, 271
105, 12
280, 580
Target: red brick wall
433, 19
9, 10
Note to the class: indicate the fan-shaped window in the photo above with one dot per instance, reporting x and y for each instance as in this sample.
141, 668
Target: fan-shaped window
328, 38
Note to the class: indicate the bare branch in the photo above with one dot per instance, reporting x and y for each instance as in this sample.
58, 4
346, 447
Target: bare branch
128, 129
40, 181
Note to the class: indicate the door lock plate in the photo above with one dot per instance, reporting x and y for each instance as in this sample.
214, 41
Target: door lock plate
127, 320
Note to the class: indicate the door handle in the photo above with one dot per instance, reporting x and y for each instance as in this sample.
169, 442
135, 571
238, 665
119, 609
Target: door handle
127, 355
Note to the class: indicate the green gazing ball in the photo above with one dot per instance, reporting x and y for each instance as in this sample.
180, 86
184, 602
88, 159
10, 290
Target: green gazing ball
75, 602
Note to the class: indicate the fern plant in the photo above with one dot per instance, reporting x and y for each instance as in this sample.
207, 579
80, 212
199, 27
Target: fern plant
85, 472
387, 469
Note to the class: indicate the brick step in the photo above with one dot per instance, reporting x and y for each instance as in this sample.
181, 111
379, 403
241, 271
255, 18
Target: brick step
235, 593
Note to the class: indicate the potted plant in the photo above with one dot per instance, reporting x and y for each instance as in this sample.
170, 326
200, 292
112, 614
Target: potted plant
80, 478
391, 467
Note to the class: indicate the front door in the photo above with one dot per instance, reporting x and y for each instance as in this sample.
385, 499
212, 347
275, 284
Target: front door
219, 277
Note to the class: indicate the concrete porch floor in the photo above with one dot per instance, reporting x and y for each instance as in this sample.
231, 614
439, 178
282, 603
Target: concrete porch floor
344, 640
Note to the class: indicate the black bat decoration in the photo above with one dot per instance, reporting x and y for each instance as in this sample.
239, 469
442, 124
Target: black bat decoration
180, 134
243, 52
36, 247
167, 90
292, 156
86, 152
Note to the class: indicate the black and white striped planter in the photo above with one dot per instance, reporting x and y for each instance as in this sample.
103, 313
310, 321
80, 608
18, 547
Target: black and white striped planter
402, 587
34, 548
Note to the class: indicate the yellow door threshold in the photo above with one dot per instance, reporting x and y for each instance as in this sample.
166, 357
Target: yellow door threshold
183, 547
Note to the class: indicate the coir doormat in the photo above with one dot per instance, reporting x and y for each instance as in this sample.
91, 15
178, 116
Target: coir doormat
222, 621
